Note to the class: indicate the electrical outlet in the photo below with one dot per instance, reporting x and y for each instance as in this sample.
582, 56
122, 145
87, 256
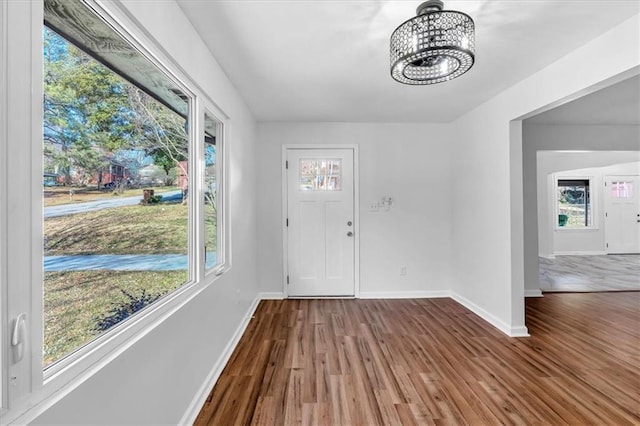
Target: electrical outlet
374, 207
403, 270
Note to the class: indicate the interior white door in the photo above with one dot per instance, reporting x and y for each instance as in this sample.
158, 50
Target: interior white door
622, 214
320, 222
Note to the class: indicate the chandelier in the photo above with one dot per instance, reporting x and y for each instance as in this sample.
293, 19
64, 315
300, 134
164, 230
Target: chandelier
435, 46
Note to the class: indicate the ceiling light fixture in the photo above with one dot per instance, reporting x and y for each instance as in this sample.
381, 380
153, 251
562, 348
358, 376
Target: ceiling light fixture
435, 46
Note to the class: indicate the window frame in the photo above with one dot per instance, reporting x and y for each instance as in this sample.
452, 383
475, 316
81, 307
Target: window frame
3, 202
592, 200
222, 253
46, 386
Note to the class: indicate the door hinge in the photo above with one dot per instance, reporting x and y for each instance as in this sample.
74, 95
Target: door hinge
287, 279
287, 221
286, 164
606, 214
607, 244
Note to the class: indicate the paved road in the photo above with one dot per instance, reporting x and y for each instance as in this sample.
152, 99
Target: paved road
66, 209
121, 262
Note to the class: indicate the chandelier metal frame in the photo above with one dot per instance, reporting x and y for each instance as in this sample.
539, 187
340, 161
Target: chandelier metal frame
435, 46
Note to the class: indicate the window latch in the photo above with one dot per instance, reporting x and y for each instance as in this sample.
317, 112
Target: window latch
18, 337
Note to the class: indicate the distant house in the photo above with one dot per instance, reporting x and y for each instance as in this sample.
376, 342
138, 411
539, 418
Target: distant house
112, 175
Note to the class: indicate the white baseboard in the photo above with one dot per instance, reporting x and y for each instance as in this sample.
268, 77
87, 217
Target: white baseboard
198, 401
533, 293
520, 331
404, 294
271, 296
581, 253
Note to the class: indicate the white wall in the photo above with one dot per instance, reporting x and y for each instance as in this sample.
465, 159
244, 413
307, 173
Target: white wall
488, 239
155, 380
537, 137
408, 162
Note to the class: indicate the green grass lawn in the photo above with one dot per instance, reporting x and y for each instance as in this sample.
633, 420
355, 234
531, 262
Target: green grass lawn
140, 229
74, 302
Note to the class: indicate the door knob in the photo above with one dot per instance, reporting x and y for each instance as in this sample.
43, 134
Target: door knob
349, 234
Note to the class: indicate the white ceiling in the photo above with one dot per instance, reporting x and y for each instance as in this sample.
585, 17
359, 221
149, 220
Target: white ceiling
328, 60
618, 104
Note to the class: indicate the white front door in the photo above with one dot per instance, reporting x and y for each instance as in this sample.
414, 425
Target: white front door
622, 214
320, 222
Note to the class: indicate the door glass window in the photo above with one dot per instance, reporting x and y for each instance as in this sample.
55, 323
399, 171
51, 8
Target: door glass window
622, 189
320, 174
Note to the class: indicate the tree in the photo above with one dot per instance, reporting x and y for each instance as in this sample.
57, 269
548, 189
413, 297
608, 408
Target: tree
87, 161
92, 116
85, 108
162, 132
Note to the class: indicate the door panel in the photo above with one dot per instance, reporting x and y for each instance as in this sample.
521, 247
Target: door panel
334, 229
622, 214
309, 239
320, 231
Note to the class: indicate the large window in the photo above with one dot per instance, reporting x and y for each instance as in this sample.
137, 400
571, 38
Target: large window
116, 235
117, 211
574, 203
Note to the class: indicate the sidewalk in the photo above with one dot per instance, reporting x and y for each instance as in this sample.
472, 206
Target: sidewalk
122, 262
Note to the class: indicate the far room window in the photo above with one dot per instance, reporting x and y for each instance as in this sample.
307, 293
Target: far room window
574, 203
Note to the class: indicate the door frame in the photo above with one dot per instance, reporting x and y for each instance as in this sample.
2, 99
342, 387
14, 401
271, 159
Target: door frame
356, 210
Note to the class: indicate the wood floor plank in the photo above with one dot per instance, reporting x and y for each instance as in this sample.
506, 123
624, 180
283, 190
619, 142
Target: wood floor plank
405, 414
339, 402
387, 408
293, 401
433, 362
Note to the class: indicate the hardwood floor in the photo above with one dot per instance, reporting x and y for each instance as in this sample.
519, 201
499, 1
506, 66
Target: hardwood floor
431, 361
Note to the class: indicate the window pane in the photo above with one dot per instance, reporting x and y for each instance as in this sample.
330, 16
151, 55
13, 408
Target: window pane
115, 185
211, 199
320, 175
574, 204
622, 189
